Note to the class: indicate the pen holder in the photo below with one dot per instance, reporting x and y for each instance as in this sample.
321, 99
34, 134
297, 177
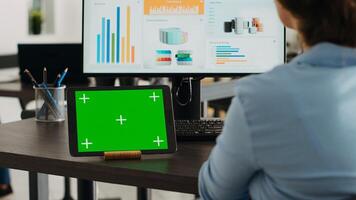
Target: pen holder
50, 103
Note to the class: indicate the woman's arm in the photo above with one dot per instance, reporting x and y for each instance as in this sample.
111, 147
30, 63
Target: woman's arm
232, 164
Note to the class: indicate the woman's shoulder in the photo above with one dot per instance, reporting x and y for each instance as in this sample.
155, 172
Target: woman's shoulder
269, 95
272, 82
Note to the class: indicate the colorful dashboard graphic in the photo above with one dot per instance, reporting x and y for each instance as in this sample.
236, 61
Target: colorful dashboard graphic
181, 36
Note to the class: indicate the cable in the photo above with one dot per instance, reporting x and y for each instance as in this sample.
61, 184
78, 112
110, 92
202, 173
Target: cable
179, 101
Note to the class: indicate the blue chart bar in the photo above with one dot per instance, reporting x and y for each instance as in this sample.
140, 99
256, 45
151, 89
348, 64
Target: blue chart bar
118, 35
103, 40
98, 48
108, 42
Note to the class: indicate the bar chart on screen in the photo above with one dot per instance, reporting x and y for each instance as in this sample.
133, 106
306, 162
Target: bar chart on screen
117, 32
226, 54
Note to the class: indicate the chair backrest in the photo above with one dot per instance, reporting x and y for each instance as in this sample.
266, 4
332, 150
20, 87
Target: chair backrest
7, 61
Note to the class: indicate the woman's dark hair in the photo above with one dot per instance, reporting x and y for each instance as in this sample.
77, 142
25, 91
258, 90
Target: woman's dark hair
325, 20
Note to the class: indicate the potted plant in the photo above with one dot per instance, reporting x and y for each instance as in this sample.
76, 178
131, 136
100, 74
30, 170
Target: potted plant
36, 20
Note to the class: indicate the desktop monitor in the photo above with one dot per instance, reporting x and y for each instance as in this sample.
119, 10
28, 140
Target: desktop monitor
181, 37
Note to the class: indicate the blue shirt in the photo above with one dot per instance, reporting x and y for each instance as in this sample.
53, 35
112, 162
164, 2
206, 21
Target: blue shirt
290, 133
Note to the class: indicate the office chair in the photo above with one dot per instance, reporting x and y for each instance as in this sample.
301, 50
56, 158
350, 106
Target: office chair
8, 61
220, 105
26, 114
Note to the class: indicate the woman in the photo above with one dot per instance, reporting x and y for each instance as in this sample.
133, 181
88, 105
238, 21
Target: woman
5, 187
291, 133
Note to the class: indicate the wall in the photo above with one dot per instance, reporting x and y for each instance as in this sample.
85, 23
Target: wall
67, 17
14, 23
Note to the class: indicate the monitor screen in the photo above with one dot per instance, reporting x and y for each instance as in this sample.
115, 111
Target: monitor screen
181, 36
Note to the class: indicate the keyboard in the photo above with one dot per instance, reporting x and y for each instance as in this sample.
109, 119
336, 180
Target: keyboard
198, 130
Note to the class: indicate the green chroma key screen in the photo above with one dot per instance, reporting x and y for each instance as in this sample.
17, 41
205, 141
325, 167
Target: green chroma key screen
121, 120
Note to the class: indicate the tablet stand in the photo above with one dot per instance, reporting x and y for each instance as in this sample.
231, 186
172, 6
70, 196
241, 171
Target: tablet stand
123, 155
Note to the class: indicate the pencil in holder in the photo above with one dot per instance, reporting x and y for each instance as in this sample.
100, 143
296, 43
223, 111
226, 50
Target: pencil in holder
50, 103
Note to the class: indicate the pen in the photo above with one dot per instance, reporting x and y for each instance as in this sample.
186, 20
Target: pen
33, 80
45, 75
45, 95
44, 84
62, 77
55, 81
49, 97
55, 84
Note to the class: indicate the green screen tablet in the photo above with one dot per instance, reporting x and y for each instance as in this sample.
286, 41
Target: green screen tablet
120, 119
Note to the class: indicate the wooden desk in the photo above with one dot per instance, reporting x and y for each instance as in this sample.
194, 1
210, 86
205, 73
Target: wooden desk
43, 147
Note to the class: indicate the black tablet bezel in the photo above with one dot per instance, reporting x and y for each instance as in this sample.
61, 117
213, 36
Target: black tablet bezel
72, 119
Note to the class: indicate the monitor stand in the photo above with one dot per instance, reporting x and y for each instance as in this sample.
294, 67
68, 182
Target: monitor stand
186, 98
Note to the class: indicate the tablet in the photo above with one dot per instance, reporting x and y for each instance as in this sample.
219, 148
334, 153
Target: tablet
111, 119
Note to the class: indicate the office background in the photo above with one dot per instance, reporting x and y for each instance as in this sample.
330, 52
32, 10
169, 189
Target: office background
61, 24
